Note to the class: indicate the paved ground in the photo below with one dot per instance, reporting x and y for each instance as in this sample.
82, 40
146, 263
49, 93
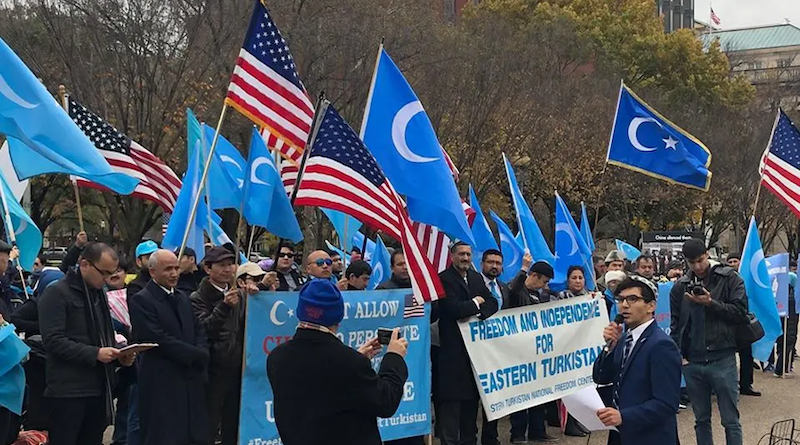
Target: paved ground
780, 400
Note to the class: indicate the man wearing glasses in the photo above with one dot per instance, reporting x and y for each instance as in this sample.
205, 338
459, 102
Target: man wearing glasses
289, 277
79, 340
644, 366
320, 265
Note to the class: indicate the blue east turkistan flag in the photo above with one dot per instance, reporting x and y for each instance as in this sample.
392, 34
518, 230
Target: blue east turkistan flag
12, 376
28, 236
265, 201
512, 251
571, 249
345, 226
778, 269
631, 252
381, 263
761, 300
358, 241
226, 178
401, 137
50, 141
586, 230
645, 141
345, 256
481, 232
532, 236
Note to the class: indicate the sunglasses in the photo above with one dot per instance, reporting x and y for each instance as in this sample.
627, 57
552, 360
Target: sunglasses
285, 255
320, 262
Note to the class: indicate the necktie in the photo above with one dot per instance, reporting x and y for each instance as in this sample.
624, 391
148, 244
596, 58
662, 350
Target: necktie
496, 293
625, 354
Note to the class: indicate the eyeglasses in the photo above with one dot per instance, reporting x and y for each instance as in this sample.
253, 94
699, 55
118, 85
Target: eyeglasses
326, 261
285, 255
104, 273
630, 299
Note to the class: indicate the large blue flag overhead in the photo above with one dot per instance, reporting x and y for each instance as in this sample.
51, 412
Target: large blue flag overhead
345, 226
531, 233
226, 178
51, 141
401, 137
265, 201
28, 236
512, 251
484, 239
631, 252
381, 263
645, 141
753, 270
571, 249
586, 230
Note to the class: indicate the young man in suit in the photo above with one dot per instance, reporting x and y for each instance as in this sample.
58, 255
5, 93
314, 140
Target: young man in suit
644, 366
466, 295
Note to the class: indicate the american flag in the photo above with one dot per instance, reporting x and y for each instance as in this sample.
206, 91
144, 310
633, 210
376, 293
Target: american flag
288, 175
413, 308
165, 217
265, 86
436, 243
715, 18
157, 182
780, 165
275, 143
341, 174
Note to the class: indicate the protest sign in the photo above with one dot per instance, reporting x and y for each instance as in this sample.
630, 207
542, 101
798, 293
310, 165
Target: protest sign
662, 314
271, 321
531, 355
778, 269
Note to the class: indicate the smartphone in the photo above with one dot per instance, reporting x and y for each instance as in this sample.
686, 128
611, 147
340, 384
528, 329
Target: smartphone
385, 335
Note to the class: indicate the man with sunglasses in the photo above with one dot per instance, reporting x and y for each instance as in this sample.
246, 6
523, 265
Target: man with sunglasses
289, 277
646, 360
320, 265
79, 340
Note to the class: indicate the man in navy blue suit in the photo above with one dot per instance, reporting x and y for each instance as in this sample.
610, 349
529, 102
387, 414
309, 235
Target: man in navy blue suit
644, 366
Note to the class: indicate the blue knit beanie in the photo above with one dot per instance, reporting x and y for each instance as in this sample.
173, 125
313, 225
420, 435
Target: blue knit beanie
320, 303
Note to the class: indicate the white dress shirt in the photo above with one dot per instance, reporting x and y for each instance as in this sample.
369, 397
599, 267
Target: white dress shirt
636, 333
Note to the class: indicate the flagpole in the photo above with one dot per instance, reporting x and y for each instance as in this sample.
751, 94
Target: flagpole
250, 243
12, 236
62, 95
203, 179
763, 158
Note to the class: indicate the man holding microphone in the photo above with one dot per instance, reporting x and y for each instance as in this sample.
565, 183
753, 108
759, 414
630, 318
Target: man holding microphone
644, 366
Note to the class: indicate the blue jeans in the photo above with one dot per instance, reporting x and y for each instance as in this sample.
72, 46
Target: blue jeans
721, 377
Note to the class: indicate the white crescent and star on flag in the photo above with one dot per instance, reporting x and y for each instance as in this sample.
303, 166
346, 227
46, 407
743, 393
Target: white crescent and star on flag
399, 126
670, 143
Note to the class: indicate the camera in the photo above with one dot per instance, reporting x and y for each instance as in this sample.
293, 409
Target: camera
696, 287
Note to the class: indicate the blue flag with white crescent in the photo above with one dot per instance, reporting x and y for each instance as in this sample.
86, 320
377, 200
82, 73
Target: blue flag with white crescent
226, 177
484, 238
631, 252
586, 230
761, 300
512, 251
401, 137
265, 202
381, 263
345, 226
28, 236
645, 141
571, 249
51, 141
532, 236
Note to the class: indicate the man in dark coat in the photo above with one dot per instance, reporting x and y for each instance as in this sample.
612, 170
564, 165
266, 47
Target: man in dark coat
465, 295
172, 377
79, 340
400, 278
529, 288
190, 276
326, 392
289, 276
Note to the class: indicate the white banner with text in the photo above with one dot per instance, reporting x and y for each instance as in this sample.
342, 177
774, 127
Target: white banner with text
530, 355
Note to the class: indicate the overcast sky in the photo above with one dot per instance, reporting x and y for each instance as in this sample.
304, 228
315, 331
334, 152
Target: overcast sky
744, 13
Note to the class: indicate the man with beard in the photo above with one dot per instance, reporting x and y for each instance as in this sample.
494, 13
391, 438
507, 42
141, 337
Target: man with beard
466, 295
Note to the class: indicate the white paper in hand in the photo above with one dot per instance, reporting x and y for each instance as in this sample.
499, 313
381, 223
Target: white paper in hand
583, 406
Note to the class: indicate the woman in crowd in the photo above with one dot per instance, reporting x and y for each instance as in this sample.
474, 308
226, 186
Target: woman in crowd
576, 284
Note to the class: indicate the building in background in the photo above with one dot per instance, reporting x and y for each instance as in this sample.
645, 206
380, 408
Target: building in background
677, 14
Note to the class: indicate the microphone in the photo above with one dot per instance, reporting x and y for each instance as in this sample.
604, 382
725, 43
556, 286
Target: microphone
619, 319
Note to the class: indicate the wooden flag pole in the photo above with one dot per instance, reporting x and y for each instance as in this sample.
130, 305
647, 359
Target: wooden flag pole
203, 179
62, 95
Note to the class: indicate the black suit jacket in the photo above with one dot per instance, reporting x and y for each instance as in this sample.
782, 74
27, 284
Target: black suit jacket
328, 393
172, 376
454, 372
